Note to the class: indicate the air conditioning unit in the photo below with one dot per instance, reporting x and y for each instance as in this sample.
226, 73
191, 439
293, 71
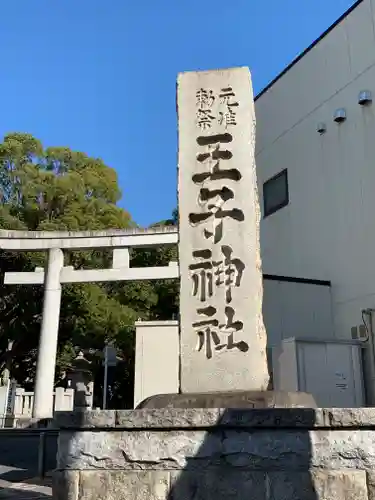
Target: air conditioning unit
359, 332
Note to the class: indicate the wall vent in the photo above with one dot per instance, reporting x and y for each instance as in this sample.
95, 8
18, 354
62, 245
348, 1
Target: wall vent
365, 98
321, 128
339, 115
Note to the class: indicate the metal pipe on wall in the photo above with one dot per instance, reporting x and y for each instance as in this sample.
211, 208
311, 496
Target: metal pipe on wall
369, 357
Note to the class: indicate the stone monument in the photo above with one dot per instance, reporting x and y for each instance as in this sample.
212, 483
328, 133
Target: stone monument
223, 340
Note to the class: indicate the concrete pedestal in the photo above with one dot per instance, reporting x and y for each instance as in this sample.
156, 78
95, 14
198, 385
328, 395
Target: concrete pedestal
205, 454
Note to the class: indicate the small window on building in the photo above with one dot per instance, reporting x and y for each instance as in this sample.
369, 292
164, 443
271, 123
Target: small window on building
275, 193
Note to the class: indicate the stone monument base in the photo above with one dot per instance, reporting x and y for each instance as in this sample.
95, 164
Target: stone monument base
216, 454
239, 399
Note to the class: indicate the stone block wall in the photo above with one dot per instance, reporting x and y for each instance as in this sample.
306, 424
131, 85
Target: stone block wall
272, 454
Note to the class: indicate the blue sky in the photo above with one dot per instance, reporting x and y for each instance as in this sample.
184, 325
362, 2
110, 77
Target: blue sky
100, 77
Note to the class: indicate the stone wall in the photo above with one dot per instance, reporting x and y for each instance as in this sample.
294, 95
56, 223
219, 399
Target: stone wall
217, 454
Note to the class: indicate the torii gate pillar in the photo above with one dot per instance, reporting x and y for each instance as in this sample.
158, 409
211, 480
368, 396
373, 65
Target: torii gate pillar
45, 372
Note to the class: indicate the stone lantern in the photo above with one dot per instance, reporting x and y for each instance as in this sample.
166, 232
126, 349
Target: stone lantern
81, 380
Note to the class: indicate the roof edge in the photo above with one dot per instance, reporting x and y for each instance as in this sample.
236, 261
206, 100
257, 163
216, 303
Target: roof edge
308, 49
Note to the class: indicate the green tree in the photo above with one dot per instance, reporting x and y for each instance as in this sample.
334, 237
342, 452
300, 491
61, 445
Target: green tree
59, 189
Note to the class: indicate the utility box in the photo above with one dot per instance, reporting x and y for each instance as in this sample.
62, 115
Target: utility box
329, 370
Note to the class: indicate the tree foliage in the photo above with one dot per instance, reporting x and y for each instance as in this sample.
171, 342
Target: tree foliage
57, 189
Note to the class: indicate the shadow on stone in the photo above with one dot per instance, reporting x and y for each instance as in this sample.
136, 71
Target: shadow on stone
246, 455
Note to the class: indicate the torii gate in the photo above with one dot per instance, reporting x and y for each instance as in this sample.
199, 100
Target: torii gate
56, 274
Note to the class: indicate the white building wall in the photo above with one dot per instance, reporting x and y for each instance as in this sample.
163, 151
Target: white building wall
328, 229
297, 310
156, 359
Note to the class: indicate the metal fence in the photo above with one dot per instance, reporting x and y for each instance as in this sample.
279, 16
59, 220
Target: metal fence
26, 453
